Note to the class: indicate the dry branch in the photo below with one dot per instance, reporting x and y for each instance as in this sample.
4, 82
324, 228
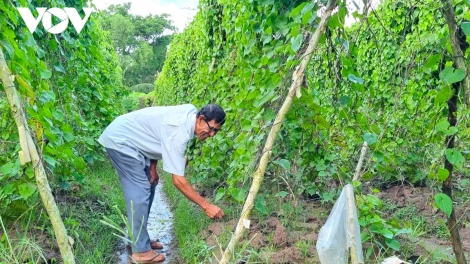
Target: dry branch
458, 54
30, 153
298, 77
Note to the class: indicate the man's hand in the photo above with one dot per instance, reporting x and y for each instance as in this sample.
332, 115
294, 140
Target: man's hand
213, 211
153, 172
185, 188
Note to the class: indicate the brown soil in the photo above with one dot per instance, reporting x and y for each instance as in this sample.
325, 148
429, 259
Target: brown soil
277, 240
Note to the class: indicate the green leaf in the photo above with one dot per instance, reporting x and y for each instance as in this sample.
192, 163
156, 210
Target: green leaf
296, 12
282, 194
370, 138
367, 176
238, 194
344, 100
8, 169
66, 128
334, 21
260, 205
328, 196
320, 120
58, 115
451, 75
58, 67
393, 243
29, 172
308, 8
433, 60
466, 28
51, 161
9, 188
451, 131
68, 136
46, 96
266, 97
78, 177
455, 157
269, 115
283, 163
26, 190
355, 79
386, 233
45, 73
297, 42
40, 52
442, 174
64, 185
220, 194
378, 156
246, 125
444, 203
442, 125
444, 94
8, 47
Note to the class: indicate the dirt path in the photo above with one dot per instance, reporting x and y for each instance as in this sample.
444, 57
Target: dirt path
160, 226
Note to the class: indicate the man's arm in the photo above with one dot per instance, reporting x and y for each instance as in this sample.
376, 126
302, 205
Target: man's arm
185, 188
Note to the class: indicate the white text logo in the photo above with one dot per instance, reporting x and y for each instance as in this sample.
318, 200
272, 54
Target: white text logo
45, 15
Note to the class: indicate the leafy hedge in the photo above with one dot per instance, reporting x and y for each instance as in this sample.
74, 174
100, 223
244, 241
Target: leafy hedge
70, 85
380, 80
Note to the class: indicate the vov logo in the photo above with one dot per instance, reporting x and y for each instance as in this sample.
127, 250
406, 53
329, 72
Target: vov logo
64, 15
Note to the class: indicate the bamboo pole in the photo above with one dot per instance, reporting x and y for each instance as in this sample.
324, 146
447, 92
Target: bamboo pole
30, 153
361, 160
352, 217
353, 250
298, 77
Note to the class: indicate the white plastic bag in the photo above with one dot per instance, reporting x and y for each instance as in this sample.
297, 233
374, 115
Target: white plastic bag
333, 239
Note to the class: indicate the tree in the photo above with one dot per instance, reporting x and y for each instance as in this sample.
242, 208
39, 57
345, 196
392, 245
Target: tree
141, 42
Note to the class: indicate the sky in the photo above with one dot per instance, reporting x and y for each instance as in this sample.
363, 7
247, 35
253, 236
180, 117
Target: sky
181, 11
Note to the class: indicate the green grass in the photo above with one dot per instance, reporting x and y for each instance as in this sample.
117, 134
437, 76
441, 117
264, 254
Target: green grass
188, 221
28, 237
100, 196
18, 247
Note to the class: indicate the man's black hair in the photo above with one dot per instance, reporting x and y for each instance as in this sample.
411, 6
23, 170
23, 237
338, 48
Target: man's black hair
213, 112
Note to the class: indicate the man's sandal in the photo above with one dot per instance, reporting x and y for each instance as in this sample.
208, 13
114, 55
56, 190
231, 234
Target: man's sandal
153, 244
157, 258
156, 245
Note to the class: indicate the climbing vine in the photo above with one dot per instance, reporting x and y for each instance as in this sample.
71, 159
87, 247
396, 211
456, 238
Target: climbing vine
69, 84
384, 79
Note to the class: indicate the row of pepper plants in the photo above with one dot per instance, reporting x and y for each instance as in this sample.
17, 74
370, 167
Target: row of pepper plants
70, 85
385, 79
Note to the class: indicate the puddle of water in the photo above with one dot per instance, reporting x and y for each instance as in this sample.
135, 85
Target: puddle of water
159, 226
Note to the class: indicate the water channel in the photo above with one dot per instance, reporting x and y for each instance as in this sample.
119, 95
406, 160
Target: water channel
160, 226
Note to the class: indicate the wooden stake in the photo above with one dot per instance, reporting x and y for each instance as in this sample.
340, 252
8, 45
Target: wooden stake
352, 218
298, 77
30, 153
361, 160
352, 206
